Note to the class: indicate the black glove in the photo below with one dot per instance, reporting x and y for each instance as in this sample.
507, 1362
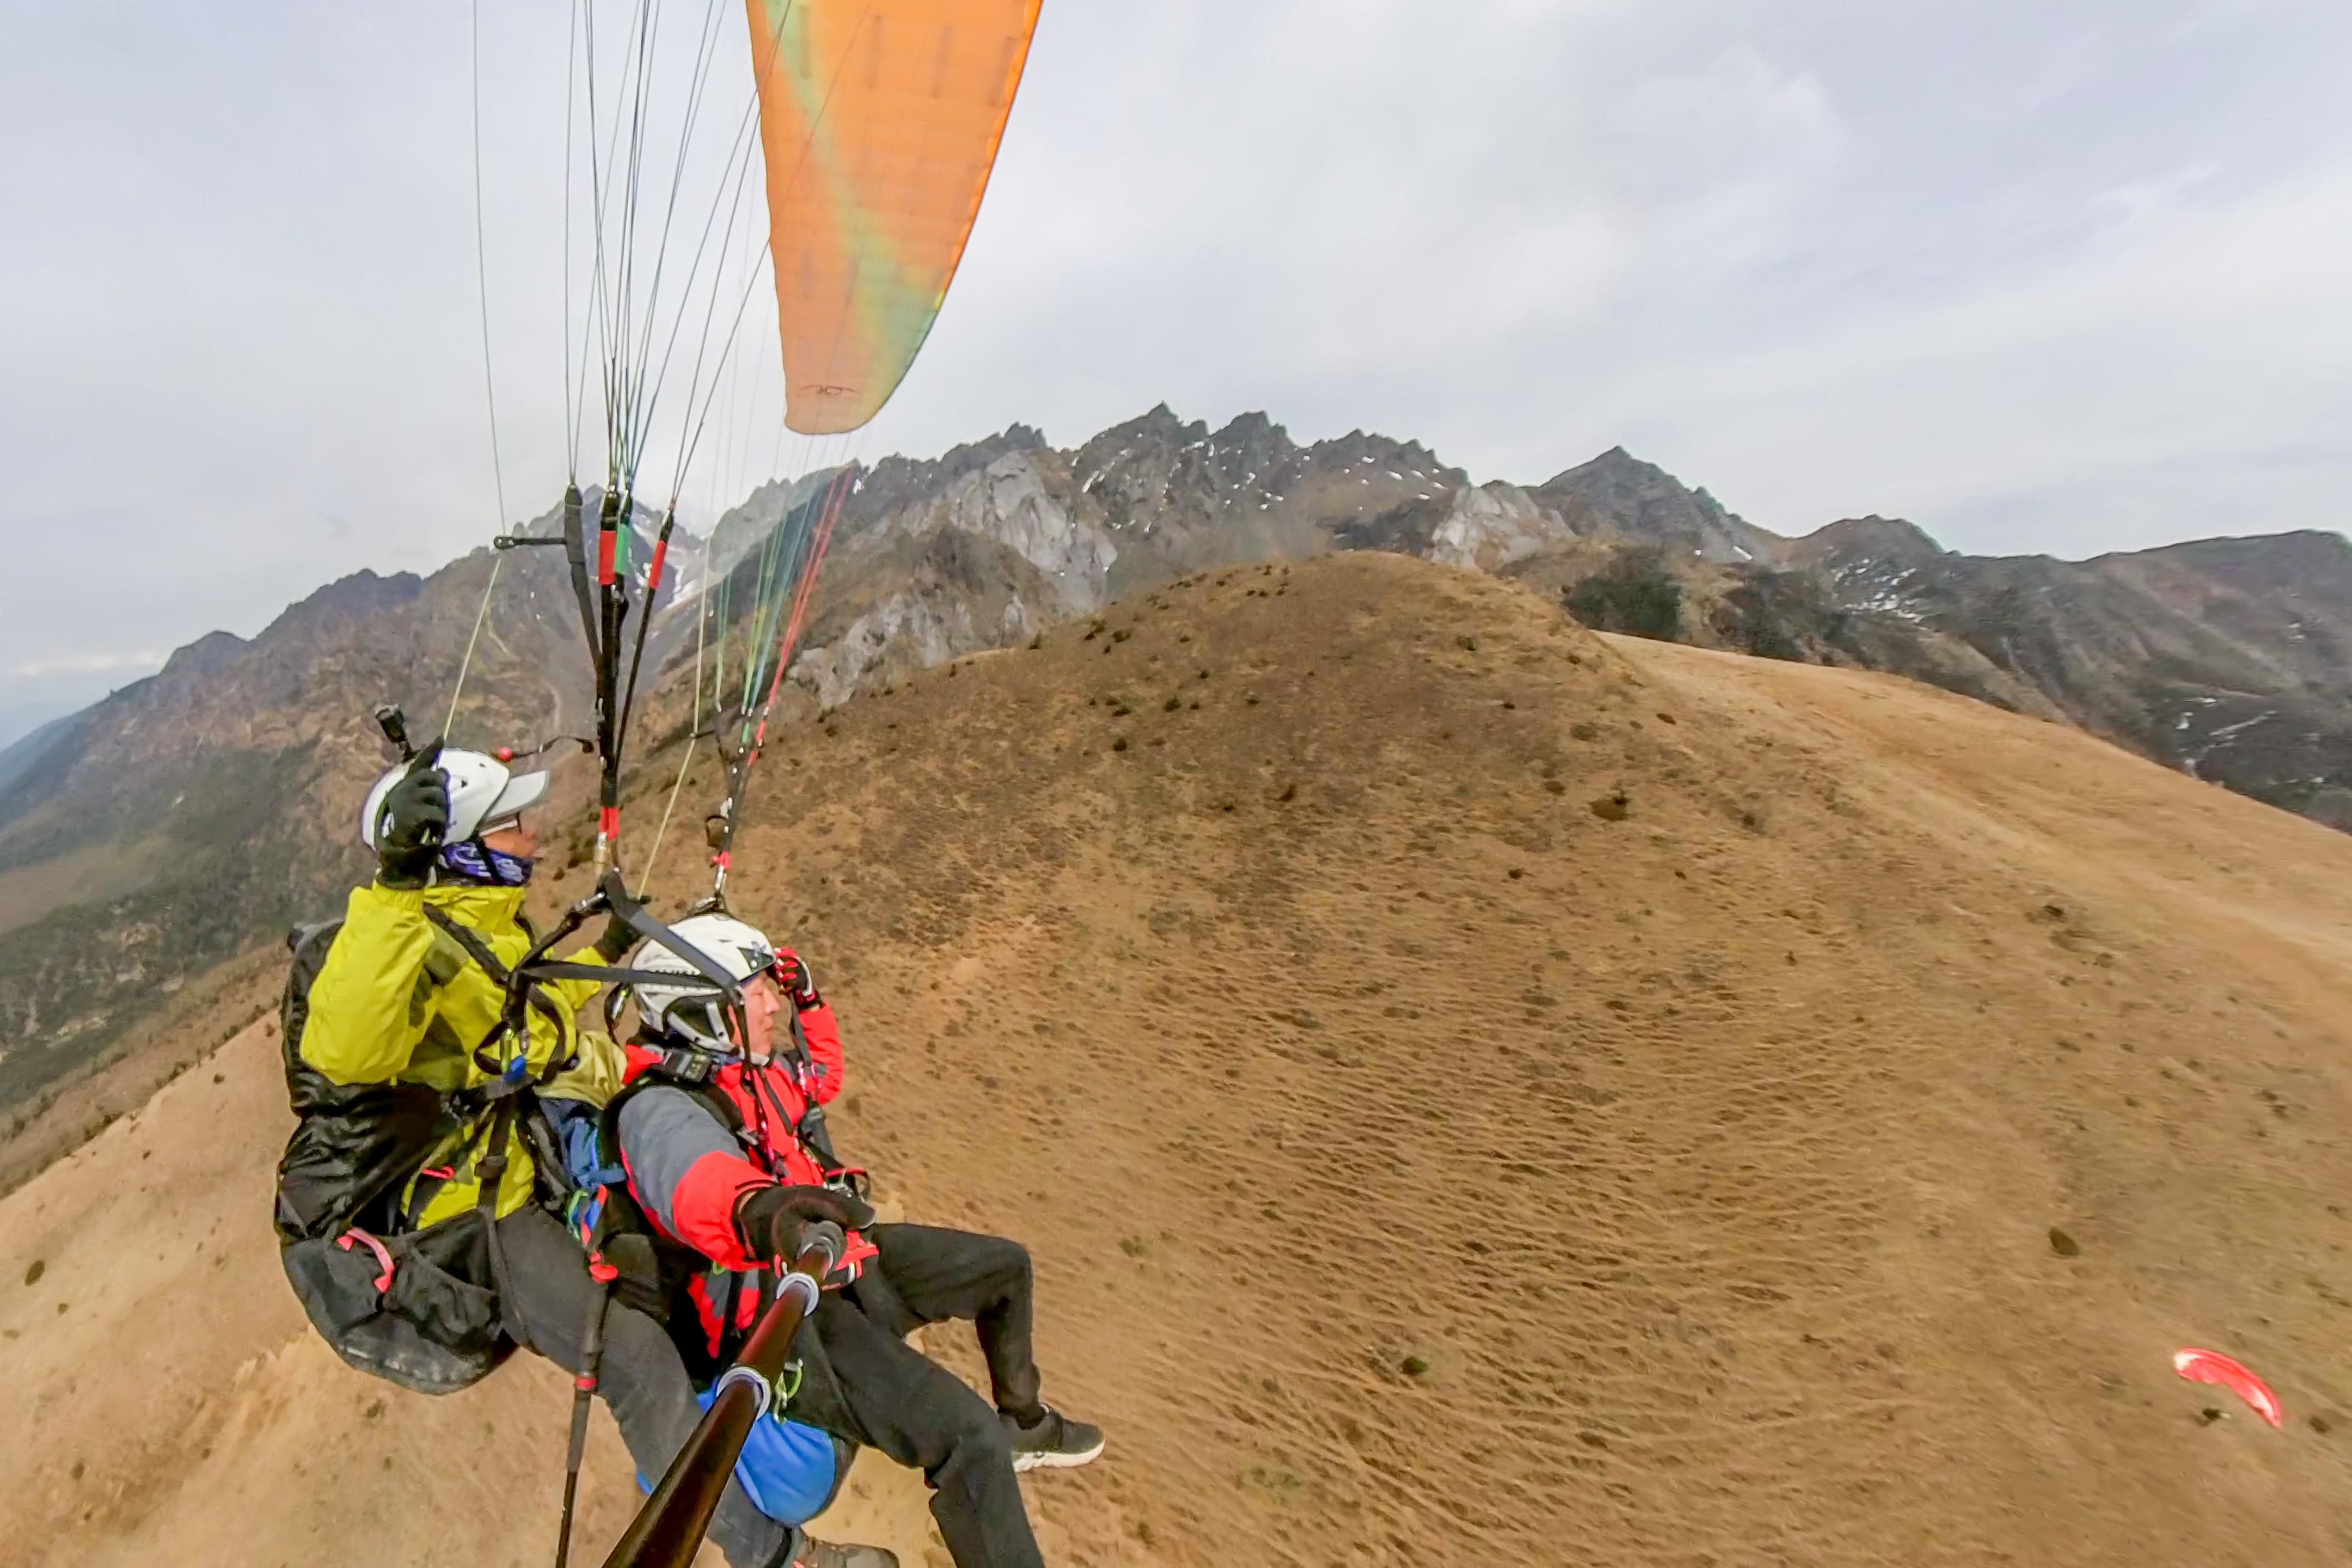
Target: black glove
792, 974
413, 821
614, 944
772, 1220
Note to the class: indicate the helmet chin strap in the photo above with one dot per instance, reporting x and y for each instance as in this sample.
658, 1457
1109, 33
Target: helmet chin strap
714, 1041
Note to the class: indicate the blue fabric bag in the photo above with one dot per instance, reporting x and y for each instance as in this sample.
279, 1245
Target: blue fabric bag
787, 1469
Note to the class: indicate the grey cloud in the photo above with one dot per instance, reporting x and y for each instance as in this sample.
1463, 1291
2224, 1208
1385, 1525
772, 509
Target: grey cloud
2060, 279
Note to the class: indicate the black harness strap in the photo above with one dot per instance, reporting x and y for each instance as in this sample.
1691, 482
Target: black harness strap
690, 1072
504, 978
506, 1097
490, 1171
465, 936
809, 1128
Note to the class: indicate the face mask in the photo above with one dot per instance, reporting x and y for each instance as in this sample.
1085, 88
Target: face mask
471, 860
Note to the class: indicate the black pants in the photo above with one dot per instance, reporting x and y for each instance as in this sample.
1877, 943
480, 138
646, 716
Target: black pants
926, 1274
641, 1377
916, 1410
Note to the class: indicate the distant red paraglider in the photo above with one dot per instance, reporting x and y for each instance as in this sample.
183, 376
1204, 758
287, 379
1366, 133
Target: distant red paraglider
2212, 1366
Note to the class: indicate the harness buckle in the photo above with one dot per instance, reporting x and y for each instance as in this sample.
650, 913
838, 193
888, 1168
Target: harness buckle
688, 1067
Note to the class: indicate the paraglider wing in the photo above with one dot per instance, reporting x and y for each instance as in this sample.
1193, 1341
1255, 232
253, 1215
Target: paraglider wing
880, 121
2212, 1366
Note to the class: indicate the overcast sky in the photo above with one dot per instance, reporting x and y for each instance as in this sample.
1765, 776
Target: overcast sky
2063, 277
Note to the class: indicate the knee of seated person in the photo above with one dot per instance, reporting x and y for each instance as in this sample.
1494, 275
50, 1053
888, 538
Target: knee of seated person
631, 1337
1017, 1261
979, 1432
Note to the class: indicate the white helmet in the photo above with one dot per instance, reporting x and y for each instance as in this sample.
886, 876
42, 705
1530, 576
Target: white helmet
692, 1012
484, 794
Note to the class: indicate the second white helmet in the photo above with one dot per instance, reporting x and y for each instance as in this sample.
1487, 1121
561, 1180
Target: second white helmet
688, 1011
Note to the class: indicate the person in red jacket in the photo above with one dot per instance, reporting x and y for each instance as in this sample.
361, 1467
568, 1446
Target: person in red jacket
724, 1144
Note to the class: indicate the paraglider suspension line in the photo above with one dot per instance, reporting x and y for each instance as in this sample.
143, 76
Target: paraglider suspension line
836, 492
490, 380
694, 737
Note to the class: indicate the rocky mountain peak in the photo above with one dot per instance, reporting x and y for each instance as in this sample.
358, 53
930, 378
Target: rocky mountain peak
1616, 472
1158, 473
896, 482
1874, 545
1160, 427
1372, 448
1892, 535
742, 528
344, 602
1617, 494
208, 655
1255, 425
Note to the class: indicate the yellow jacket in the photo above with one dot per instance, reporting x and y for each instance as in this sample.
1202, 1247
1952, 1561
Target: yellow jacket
398, 999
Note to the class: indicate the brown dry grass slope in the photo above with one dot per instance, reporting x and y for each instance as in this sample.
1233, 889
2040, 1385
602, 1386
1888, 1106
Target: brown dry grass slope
1476, 1093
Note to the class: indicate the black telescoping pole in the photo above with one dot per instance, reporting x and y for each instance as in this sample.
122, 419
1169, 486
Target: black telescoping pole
669, 1529
583, 1388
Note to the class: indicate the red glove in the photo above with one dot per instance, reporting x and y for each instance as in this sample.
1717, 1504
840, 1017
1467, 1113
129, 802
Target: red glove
794, 975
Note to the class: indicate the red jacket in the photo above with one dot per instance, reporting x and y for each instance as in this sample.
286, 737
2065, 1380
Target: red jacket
687, 1171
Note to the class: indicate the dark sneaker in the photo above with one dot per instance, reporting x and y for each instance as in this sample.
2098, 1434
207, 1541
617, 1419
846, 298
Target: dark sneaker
1054, 1441
810, 1553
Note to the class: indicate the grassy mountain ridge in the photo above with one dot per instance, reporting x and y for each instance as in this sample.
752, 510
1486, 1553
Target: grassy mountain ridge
1467, 1085
2224, 657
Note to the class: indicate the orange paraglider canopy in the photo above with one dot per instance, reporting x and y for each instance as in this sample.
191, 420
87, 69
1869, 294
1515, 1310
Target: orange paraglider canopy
880, 121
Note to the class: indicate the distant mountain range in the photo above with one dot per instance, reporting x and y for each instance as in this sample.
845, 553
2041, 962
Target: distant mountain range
2230, 659
186, 816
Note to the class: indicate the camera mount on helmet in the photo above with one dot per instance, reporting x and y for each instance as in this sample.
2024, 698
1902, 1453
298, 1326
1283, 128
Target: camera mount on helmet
395, 725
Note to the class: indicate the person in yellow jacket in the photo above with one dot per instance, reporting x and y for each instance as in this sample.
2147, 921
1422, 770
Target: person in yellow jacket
400, 999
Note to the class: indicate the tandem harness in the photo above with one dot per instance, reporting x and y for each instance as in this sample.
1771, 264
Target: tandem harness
424, 1307
624, 1247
